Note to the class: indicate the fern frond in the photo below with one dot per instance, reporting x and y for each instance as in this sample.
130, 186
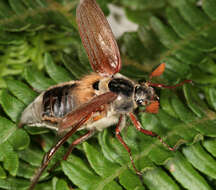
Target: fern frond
40, 47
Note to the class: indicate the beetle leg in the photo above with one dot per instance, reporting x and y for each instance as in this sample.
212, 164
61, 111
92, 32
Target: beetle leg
119, 127
73, 144
147, 132
78, 141
48, 156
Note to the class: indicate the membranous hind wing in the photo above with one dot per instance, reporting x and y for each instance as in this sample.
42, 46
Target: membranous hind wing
97, 38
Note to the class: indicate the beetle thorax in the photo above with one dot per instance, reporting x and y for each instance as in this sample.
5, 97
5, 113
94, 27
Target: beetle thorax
125, 90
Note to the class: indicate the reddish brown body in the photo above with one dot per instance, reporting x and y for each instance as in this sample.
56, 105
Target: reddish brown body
98, 100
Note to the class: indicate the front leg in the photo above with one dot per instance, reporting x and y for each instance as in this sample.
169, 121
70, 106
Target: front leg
138, 126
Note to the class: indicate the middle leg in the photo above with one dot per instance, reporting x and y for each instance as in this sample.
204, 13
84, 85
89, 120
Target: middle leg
119, 127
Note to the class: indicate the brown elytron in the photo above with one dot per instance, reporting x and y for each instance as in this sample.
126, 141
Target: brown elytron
98, 100
98, 39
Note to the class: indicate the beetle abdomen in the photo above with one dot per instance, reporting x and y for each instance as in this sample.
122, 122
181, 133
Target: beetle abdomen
58, 101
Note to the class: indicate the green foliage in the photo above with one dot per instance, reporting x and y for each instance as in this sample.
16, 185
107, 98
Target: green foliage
40, 47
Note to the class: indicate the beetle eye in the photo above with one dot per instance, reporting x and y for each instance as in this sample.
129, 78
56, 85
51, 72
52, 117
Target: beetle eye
140, 101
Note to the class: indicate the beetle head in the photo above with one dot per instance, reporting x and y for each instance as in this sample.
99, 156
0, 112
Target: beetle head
144, 94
